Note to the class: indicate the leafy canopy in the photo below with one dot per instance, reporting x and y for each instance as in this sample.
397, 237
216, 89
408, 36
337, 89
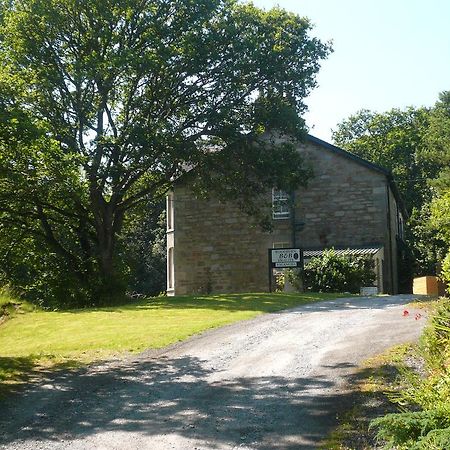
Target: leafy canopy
106, 103
438, 140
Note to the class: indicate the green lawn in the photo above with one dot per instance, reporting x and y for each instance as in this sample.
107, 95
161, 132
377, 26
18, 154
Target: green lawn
42, 339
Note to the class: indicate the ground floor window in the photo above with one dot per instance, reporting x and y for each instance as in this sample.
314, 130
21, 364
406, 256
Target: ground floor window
170, 269
281, 245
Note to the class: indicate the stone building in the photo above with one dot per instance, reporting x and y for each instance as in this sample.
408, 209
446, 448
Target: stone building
350, 204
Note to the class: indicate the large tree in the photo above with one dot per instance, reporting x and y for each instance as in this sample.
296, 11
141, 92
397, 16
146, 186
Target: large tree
119, 99
438, 151
437, 140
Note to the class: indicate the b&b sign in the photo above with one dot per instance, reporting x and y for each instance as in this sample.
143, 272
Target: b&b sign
285, 257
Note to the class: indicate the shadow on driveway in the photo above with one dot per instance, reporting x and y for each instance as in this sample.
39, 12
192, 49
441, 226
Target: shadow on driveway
174, 397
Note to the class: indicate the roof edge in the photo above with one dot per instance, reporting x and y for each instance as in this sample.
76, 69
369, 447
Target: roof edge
347, 154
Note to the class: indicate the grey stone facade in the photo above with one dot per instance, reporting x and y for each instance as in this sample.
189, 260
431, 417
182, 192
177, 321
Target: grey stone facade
215, 247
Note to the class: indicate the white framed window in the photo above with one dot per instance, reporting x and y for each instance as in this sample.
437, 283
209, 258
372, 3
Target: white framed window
169, 211
281, 245
280, 204
170, 269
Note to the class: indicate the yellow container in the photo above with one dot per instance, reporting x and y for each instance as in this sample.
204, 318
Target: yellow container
426, 286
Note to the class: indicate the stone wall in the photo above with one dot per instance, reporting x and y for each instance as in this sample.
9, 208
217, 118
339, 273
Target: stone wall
218, 248
344, 204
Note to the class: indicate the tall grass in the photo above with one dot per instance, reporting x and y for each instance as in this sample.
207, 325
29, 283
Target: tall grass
11, 304
5, 296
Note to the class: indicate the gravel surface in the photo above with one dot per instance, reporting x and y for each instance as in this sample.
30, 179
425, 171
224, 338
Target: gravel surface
275, 382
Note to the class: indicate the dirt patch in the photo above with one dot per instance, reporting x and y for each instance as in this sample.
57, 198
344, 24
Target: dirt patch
8, 309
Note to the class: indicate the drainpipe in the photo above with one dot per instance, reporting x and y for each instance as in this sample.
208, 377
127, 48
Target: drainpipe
294, 243
296, 226
391, 259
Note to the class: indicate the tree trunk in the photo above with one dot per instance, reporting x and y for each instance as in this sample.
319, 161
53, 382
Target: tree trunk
108, 220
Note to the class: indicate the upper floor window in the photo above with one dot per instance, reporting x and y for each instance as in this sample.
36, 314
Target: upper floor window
169, 211
280, 204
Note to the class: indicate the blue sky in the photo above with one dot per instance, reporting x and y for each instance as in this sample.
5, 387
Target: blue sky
387, 54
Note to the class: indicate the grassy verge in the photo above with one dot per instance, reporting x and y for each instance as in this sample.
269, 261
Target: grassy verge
374, 385
39, 340
424, 420
402, 398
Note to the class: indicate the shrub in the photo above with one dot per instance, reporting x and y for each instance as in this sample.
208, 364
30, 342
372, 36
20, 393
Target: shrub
338, 273
280, 280
445, 272
435, 342
414, 430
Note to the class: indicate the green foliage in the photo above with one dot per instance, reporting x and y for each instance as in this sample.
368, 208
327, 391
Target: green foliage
295, 278
280, 281
438, 139
338, 273
440, 216
437, 152
435, 343
438, 225
11, 304
144, 249
427, 247
291, 276
414, 430
425, 422
445, 272
436, 439
103, 104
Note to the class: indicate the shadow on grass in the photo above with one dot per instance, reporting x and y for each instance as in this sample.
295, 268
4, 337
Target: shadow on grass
16, 372
266, 302
181, 398
263, 302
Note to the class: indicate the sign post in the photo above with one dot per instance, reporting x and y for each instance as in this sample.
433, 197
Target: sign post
282, 258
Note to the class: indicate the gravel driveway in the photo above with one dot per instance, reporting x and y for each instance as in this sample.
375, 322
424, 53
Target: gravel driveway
275, 382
